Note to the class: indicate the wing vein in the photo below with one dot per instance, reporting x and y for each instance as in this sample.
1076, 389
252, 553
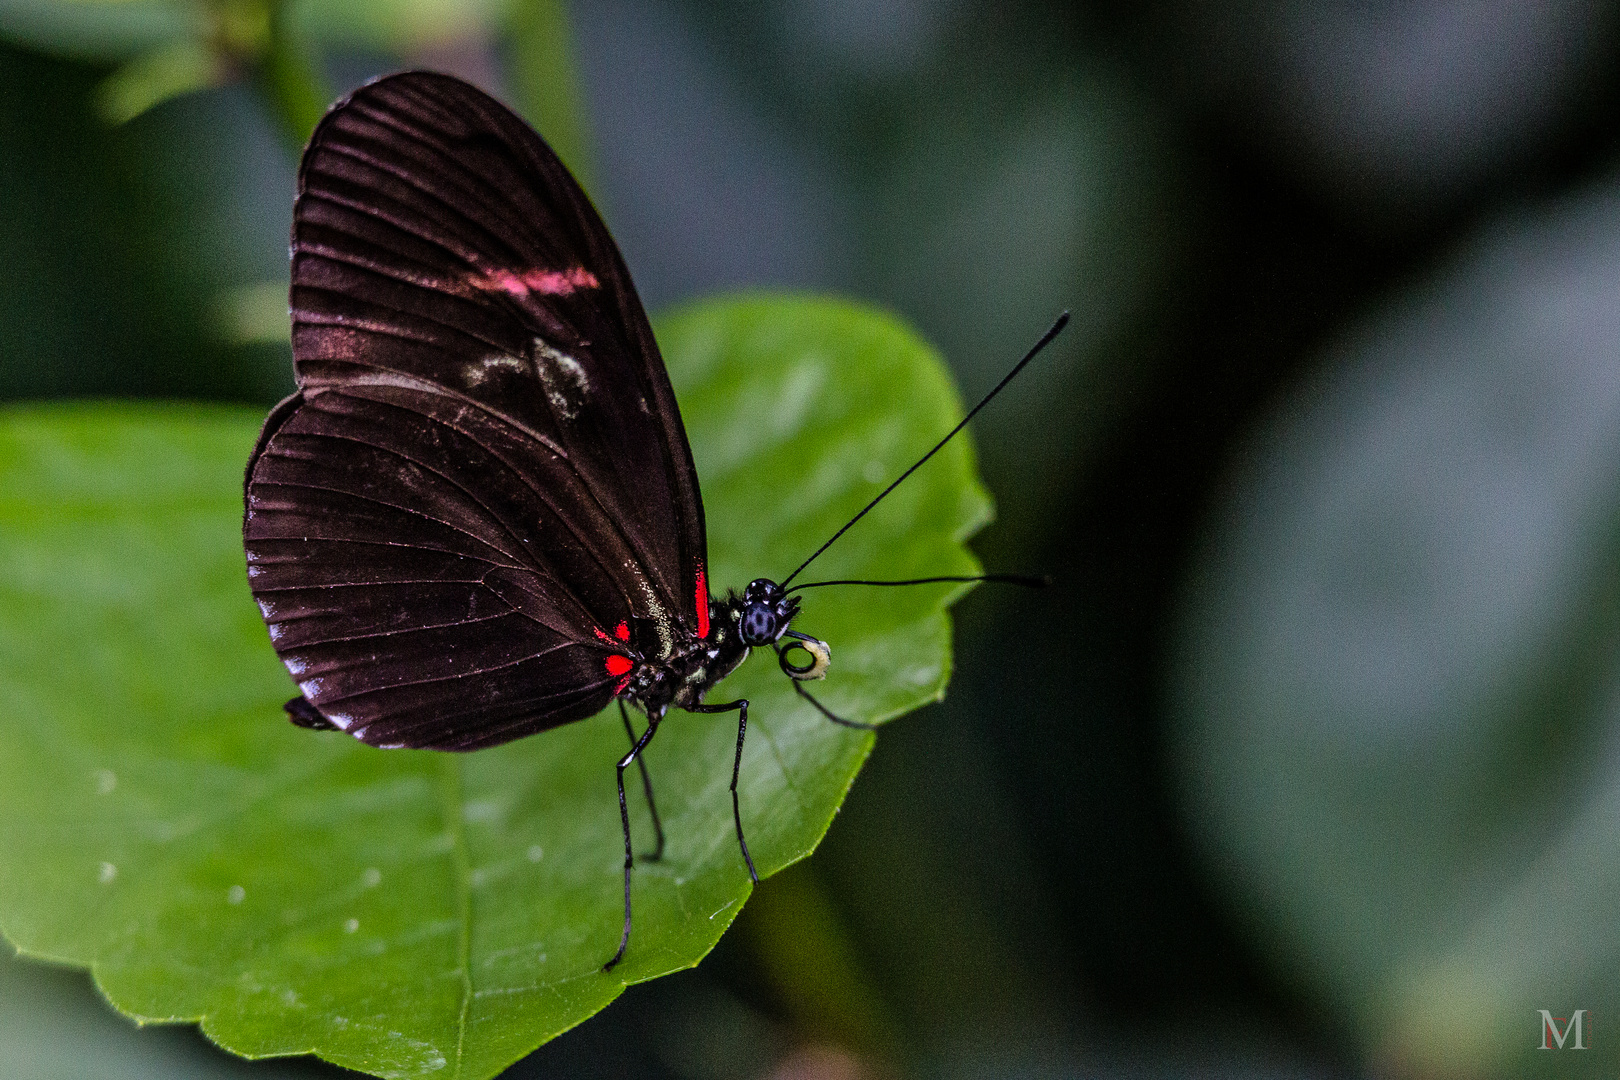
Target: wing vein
449, 163
473, 673
402, 509
442, 241
386, 633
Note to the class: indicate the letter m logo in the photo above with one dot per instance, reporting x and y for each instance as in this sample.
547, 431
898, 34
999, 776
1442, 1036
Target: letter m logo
1550, 1033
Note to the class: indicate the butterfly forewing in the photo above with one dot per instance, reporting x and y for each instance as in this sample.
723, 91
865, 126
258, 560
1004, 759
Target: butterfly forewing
484, 472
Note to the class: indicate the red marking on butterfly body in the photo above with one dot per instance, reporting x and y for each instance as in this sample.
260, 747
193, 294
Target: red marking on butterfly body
618, 665
702, 603
622, 631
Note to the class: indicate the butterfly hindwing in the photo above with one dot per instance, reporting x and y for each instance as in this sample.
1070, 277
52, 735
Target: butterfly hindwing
404, 605
484, 466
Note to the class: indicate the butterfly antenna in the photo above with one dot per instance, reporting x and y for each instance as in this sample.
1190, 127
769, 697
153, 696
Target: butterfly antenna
1046, 339
1028, 580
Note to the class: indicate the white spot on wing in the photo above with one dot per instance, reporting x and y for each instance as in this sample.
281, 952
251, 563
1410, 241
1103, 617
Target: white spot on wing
476, 373
310, 687
341, 721
563, 378
296, 666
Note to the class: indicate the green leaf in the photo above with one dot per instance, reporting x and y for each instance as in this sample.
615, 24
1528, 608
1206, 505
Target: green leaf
180, 67
545, 80
410, 913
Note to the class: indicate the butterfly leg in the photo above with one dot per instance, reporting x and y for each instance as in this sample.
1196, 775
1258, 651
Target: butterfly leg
646, 785
828, 713
736, 768
624, 819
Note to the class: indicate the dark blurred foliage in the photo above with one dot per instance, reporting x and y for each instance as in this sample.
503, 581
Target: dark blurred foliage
1019, 883
104, 292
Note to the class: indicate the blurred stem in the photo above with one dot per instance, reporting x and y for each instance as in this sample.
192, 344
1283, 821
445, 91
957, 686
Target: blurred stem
545, 80
798, 939
290, 78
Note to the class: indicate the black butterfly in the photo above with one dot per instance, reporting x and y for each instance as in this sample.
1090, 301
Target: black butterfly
478, 516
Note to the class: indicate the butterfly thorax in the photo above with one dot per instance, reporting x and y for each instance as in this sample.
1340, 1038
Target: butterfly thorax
759, 617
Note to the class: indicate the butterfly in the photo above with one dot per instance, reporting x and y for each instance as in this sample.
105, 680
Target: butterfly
478, 517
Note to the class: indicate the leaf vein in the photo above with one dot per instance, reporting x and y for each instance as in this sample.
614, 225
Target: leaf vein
454, 817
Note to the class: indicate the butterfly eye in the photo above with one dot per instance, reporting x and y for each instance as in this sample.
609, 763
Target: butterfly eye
759, 625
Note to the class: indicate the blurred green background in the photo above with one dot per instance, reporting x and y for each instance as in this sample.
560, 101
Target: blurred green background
1309, 764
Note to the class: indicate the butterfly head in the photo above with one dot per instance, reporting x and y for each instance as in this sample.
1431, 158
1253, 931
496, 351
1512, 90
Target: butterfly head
764, 613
